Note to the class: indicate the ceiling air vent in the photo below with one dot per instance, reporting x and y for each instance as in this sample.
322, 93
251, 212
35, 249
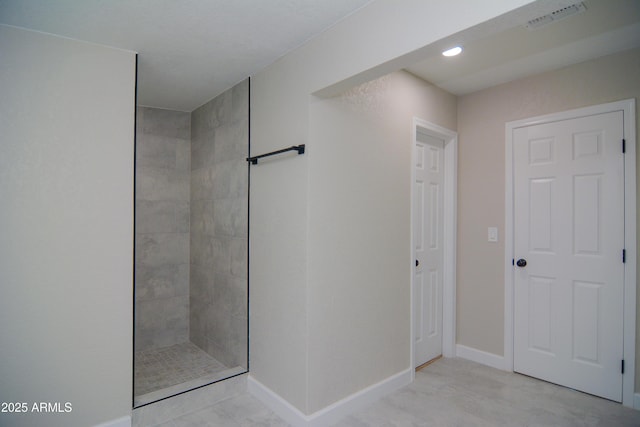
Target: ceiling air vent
555, 16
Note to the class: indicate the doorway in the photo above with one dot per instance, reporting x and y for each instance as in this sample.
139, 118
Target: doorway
433, 184
570, 248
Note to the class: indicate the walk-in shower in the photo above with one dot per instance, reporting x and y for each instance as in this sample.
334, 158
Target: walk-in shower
191, 246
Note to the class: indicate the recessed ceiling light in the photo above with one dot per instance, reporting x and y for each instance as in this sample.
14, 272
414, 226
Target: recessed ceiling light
453, 51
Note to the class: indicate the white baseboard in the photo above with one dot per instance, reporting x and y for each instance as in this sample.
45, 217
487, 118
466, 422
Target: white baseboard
332, 413
481, 357
120, 422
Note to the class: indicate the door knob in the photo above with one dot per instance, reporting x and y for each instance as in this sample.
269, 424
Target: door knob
521, 262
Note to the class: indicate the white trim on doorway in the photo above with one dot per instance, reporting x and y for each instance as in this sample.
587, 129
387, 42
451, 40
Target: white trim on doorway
450, 218
629, 333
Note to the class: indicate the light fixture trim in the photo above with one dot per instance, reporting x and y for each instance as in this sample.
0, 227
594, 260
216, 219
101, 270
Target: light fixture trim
453, 51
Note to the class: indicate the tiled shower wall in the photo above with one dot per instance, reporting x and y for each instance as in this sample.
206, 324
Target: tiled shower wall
219, 226
162, 227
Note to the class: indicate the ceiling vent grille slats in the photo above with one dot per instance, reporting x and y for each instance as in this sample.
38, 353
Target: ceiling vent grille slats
555, 16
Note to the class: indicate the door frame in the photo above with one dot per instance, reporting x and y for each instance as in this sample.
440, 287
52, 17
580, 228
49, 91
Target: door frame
449, 227
629, 333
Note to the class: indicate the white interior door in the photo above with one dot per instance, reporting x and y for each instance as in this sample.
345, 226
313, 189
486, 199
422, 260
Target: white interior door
429, 254
569, 228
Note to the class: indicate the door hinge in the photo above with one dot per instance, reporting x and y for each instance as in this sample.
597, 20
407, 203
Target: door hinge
624, 146
624, 255
622, 367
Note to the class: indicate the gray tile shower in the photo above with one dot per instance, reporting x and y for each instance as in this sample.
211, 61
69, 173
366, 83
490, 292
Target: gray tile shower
169, 366
191, 245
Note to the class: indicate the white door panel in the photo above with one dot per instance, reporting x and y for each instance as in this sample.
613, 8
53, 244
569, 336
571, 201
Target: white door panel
429, 254
569, 227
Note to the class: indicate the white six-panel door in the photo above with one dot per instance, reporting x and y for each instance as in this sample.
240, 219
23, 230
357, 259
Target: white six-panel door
429, 254
569, 228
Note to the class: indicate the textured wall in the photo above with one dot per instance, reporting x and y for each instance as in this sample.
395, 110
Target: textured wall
219, 226
481, 181
66, 227
162, 227
362, 207
353, 51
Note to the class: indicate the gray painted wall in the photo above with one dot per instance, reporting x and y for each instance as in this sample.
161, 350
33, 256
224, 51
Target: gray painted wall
66, 227
368, 125
284, 278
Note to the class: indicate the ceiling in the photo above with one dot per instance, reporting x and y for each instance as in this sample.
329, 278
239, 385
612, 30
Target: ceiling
189, 50
192, 50
504, 49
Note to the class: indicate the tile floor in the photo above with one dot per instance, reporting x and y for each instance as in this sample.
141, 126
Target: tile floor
165, 367
449, 392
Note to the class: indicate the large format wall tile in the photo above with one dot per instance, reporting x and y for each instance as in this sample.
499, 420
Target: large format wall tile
161, 281
192, 227
165, 123
163, 175
161, 322
219, 226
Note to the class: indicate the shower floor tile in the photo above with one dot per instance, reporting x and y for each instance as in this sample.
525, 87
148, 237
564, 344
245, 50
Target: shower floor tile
165, 367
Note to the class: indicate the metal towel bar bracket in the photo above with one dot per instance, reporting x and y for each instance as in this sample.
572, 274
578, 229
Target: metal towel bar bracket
298, 148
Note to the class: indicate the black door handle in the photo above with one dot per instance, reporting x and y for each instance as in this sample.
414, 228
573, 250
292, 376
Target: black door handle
521, 262
417, 263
